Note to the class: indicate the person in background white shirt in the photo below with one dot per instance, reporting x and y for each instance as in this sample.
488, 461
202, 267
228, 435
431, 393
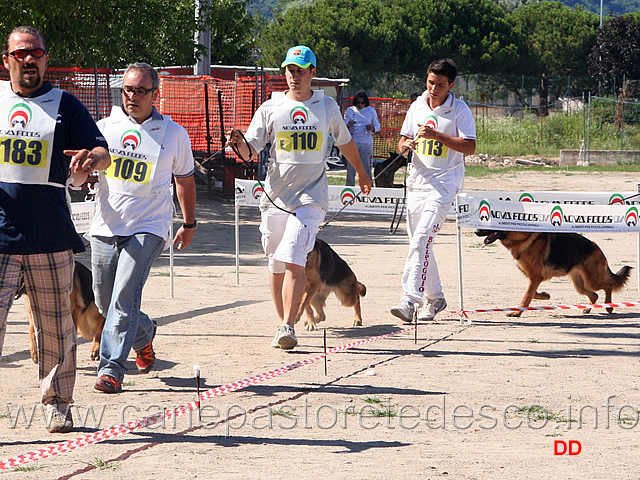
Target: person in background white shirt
363, 122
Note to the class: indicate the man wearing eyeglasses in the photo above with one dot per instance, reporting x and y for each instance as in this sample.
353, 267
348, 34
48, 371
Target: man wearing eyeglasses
134, 208
47, 139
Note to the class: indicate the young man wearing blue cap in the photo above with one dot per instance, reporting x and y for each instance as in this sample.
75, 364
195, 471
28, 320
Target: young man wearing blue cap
439, 129
297, 124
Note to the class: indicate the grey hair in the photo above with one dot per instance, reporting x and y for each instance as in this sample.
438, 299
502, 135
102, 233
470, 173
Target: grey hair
145, 67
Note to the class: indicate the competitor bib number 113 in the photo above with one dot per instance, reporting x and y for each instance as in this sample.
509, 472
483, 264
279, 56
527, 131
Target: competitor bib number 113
431, 148
17, 151
130, 170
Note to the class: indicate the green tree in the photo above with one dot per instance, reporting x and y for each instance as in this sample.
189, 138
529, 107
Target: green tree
115, 33
555, 41
617, 50
397, 36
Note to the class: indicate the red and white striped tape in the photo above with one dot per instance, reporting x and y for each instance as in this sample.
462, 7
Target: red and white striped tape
553, 307
135, 425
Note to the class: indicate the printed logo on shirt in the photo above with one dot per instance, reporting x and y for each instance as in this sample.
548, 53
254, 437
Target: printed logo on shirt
432, 122
131, 139
299, 115
20, 115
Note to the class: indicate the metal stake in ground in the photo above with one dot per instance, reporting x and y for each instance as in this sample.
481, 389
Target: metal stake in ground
196, 371
324, 334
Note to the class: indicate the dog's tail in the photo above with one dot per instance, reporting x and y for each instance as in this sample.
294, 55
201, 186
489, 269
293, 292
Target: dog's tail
621, 277
363, 289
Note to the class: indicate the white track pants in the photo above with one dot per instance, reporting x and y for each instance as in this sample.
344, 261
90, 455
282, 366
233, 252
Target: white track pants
426, 213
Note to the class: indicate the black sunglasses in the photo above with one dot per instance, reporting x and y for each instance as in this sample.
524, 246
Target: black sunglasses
139, 91
22, 53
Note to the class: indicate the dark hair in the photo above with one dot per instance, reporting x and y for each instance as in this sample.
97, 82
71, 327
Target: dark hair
363, 96
145, 67
414, 96
23, 29
444, 66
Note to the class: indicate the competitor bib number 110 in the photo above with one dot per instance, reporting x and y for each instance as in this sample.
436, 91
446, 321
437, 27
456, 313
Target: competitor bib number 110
299, 141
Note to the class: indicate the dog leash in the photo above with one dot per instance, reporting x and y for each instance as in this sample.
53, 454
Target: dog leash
352, 201
248, 165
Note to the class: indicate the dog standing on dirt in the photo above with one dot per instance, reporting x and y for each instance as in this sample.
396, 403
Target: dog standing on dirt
326, 273
86, 317
384, 172
541, 256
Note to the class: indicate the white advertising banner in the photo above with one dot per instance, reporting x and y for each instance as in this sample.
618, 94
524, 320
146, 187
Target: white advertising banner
379, 201
562, 212
82, 214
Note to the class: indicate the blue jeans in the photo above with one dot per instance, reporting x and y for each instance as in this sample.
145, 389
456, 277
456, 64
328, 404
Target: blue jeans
120, 269
366, 156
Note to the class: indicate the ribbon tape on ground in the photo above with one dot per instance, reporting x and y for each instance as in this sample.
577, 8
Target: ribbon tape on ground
168, 414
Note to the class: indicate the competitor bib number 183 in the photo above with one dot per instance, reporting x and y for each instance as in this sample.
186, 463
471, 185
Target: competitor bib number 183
130, 170
17, 151
299, 141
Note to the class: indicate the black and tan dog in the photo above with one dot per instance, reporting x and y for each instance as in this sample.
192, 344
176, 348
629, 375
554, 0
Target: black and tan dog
86, 317
384, 172
326, 273
541, 256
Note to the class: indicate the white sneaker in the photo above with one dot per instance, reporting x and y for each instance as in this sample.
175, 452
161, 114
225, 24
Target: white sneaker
404, 311
431, 308
285, 338
59, 418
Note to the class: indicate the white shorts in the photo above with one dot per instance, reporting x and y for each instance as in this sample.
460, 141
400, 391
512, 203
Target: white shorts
289, 238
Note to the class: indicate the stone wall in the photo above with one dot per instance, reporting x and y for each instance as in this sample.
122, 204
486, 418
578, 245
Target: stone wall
598, 157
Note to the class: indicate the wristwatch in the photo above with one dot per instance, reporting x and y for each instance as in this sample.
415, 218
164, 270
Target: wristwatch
190, 225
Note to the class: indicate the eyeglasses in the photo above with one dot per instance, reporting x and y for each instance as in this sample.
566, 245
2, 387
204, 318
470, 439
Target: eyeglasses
22, 53
139, 91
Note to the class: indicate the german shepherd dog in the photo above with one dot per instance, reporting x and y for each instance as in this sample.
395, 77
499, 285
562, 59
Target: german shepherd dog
384, 178
326, 273
86, 317
541, 256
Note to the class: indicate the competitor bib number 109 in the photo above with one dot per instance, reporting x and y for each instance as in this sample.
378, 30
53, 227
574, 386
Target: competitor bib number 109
17, 151
130, 170
299, 141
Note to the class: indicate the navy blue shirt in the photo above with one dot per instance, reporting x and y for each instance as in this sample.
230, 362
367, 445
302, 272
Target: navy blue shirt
36, 218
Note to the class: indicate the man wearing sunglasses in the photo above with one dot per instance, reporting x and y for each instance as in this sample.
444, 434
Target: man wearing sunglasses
130, 228
47, 139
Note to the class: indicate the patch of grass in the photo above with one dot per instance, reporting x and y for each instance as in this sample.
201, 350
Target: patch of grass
627, 420
199, 452
541, 365
129, 384
373, 400
28, 468
103, 465
534, 340
282, 413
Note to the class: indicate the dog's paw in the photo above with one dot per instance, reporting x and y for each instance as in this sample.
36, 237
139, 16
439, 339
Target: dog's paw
357, 323
609, 310
542, 296
586, 310
310, 327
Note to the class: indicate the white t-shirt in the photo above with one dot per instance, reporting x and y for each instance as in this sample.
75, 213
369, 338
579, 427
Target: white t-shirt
291, 185
463, 125
362, 118
121, 214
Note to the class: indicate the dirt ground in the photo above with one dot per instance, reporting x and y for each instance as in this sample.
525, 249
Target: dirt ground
494, 399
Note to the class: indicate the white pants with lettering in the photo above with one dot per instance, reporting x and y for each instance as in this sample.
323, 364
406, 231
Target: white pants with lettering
426, 213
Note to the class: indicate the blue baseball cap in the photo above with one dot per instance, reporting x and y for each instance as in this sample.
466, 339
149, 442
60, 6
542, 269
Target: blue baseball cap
301, 56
